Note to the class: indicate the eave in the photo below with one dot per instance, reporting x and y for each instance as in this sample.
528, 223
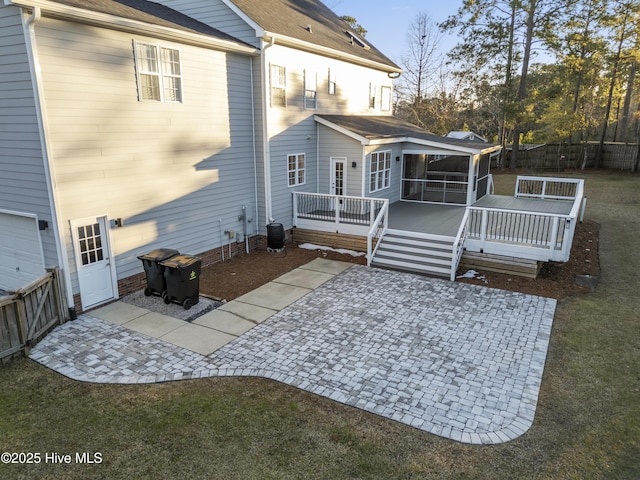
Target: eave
113, 22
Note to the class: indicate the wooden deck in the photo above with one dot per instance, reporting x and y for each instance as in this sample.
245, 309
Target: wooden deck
560, 207
441, 219
426, 218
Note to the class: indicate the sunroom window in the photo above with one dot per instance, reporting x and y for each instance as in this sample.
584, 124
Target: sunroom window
380, 171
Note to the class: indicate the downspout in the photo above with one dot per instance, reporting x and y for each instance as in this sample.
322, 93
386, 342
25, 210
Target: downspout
28, 26
255, 153
265, 129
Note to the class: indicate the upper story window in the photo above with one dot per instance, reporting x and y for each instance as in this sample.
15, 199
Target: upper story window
296, 169
278, 86
372, 95
380, 171
310, 90
158, 72
385, 99
332, 82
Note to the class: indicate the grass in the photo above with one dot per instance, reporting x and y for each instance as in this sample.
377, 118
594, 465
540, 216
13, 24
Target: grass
587, 424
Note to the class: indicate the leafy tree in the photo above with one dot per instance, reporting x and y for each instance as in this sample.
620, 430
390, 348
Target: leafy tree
353, 23
501, 35
623, 21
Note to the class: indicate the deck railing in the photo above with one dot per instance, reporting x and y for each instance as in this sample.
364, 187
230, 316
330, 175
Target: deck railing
549, 188
437, 187
458, 244
374, 237
534, 235
336, 213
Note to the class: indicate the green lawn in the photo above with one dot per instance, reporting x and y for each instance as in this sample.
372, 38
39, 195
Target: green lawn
587, 424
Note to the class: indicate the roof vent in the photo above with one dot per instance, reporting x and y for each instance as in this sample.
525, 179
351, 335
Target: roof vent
357, 41
308, 29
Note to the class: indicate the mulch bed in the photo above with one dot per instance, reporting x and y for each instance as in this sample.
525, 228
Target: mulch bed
241, 274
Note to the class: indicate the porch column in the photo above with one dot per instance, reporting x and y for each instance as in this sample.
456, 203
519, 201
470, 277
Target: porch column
471, 196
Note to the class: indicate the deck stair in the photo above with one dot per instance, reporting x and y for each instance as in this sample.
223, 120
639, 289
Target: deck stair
415, 252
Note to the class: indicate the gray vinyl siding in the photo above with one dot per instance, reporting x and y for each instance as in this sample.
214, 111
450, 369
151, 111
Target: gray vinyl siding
335, 144
216, 14
23, 185
176, 173
299, 138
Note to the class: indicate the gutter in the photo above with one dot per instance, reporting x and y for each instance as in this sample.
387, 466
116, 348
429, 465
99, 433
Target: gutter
28, 25
105, 20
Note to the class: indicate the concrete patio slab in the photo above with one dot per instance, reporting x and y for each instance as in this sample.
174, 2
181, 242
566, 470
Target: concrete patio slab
224, 321
305, 278
274, 296
327, 266
119, 312
197, 338
154, 324
246, 311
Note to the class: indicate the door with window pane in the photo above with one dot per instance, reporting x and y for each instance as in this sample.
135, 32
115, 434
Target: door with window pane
338, 181
93, 261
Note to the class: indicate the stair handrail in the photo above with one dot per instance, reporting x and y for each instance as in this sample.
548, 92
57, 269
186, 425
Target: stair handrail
458, 244
379, 225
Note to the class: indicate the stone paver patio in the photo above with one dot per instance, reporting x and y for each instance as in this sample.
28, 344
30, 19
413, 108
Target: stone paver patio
456, 360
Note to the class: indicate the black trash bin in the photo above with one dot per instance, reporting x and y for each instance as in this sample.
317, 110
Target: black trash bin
153, 270
182, 276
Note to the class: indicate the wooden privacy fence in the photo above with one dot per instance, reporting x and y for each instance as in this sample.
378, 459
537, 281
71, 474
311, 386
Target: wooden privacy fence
28, 314
554, 156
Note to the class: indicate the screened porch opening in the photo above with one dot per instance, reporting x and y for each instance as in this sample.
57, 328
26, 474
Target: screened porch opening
443, 178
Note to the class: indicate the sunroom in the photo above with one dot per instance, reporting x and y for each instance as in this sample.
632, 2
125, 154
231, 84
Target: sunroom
416, 201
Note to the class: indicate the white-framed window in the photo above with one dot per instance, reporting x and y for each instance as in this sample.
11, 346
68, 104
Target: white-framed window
385, 99
278, 75
380, 163
331, 85
296, 169
158, 72
310, 90
372, 95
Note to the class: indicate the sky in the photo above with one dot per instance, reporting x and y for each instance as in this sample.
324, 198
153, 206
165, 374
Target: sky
387, 22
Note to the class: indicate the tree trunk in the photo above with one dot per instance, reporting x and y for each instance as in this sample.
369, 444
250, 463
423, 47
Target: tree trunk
522, 88
623, 134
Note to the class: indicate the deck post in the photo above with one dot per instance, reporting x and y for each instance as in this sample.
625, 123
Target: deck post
372, 212
554, 235
295, 209
483, 227
336, 203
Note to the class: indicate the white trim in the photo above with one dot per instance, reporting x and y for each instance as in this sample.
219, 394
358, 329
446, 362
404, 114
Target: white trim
106, 245
28, 25
379, 172
113, 22
344, 131
160, 73
332, 175
297, 169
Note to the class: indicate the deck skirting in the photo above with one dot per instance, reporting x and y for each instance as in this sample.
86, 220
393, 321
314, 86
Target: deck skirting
356, 243
521, 267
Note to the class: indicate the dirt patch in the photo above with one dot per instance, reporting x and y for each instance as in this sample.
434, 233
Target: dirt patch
239, 275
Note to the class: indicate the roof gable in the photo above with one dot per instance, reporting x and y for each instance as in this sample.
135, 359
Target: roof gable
312, 22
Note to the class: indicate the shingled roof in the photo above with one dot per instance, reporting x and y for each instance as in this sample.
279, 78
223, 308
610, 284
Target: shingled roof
151, 13
311, 21
376, 128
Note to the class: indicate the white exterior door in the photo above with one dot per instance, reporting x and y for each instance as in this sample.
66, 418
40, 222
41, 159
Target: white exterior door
338, 180
96, 274
21, 255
